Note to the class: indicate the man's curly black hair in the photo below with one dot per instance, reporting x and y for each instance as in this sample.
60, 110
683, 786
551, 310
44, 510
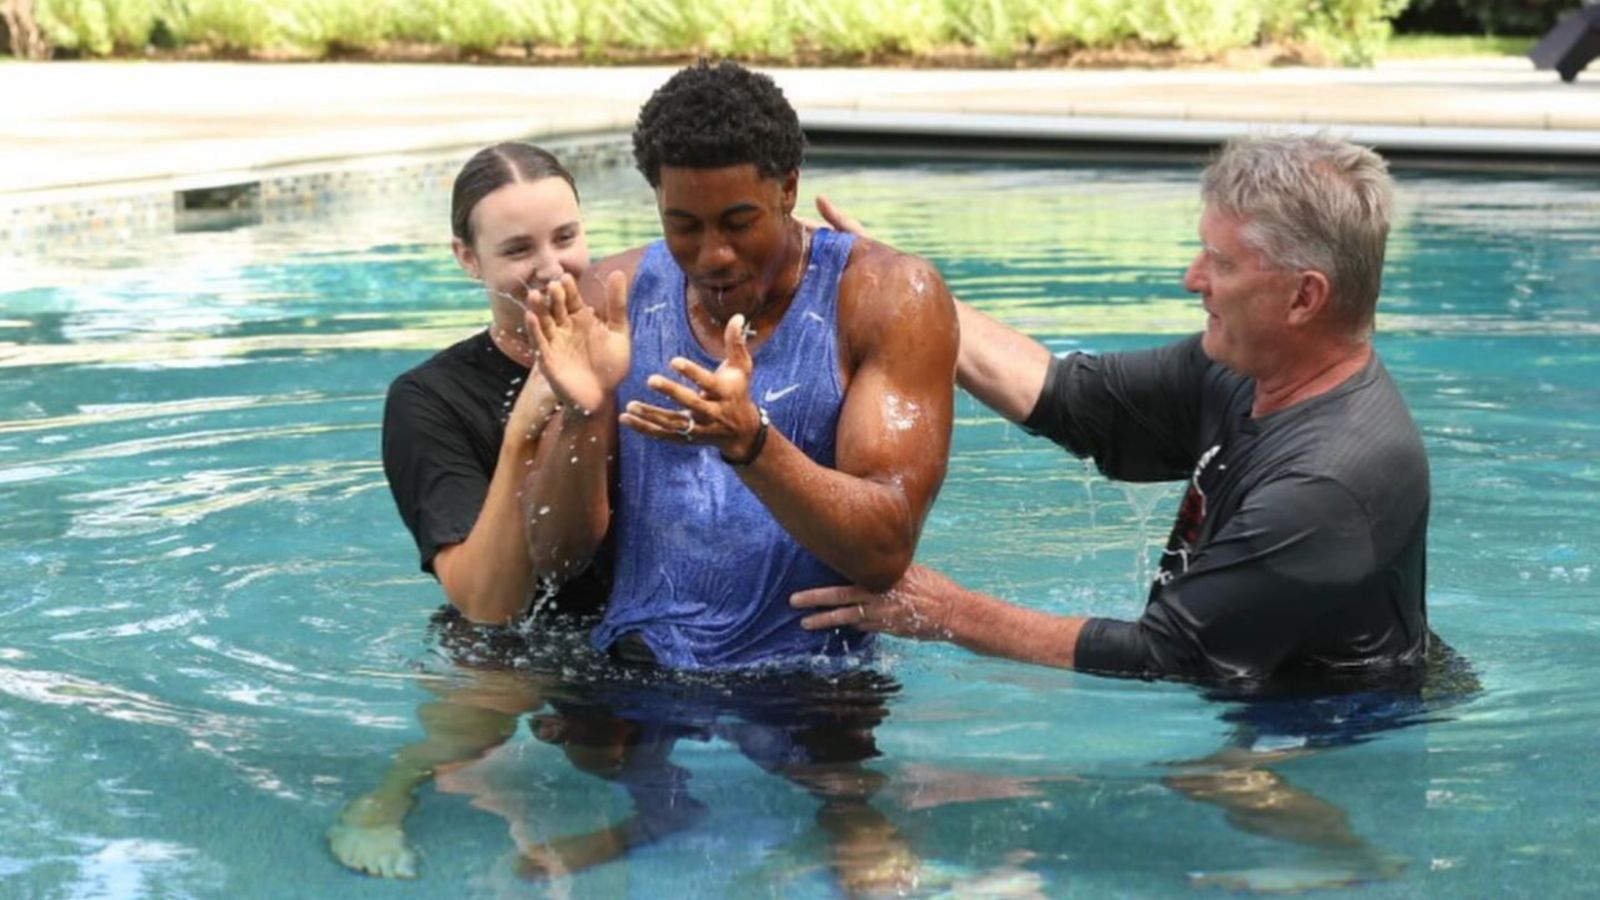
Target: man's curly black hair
710, 116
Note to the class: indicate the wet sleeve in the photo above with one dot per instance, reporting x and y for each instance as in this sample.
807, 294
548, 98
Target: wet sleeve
437, 482
1277, 576
1135, 414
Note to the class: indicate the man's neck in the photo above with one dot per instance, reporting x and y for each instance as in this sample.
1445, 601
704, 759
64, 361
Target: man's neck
1315, 374
768, 310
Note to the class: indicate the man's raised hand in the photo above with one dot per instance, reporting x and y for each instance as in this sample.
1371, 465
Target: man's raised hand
714, 408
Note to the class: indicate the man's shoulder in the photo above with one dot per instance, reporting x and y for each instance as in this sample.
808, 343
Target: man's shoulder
895, 305
1371, 414
878, 272
626, 262
869, 258
592, 284
1362, 438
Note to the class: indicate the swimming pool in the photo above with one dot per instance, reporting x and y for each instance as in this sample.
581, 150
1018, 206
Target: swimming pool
213, 628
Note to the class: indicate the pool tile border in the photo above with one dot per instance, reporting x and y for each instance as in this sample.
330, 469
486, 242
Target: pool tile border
36, 225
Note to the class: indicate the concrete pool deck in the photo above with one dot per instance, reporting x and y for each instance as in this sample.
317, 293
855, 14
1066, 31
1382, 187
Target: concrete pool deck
74, 126
117, 153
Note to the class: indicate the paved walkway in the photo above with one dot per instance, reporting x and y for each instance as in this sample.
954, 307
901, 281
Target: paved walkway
75, 127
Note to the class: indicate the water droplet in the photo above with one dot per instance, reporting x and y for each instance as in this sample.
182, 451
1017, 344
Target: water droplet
544, 510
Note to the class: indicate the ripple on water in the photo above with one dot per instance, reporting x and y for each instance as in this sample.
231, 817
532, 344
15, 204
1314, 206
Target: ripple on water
182, 500
156, 625
139, 867
63, 689
242, 656
33, 472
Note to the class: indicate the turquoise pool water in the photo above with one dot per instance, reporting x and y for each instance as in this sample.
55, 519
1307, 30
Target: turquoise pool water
212, 630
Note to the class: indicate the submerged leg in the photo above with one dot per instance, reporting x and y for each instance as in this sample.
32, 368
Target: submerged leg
1261, 801
462, 726
607, 746
827, 758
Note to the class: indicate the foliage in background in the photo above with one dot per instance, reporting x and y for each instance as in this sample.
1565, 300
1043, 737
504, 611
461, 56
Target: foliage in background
1354, 30
773, 31
98, 27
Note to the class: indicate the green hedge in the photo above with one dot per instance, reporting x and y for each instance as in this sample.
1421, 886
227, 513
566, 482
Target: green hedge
99, 27
763, 30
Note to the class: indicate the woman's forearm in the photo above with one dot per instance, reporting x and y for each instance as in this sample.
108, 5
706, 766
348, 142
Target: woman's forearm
565, 494
489, 576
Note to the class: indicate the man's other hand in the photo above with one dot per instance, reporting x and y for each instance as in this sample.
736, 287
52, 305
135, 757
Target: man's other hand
917, 607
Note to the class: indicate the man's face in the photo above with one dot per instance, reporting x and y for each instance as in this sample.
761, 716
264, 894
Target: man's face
727, 229
1246, 298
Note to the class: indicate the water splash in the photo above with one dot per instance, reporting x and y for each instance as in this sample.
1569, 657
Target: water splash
900, 414
1142, 499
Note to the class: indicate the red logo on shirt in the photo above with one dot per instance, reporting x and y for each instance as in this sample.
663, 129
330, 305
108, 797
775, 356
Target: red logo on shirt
1191, 516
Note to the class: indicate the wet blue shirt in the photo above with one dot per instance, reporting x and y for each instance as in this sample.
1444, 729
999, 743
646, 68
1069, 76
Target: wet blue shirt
703, 571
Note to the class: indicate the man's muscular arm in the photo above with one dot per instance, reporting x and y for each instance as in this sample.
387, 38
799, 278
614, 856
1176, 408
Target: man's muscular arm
898, 347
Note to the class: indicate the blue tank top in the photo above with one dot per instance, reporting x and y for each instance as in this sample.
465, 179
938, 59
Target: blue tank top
703, 571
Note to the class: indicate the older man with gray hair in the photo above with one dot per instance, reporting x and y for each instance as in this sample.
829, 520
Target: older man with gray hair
1300, 546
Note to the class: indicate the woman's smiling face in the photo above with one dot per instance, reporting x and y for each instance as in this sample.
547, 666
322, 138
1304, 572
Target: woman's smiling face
524, 235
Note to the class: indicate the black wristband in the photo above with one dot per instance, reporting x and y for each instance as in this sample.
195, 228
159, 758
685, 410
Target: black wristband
755, 446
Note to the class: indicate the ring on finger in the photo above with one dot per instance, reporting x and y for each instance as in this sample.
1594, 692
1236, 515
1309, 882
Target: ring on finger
861, 610
687, 431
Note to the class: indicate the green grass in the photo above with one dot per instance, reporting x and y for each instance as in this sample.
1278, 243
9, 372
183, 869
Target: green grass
768, 31
1443, 46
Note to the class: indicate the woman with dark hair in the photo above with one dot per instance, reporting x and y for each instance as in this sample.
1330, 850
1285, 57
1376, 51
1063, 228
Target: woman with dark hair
462, 432
467, 448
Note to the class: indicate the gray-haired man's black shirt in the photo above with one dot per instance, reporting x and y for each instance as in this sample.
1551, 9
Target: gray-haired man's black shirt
1300, 545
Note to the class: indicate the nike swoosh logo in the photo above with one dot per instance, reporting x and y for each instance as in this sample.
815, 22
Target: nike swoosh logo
773, 396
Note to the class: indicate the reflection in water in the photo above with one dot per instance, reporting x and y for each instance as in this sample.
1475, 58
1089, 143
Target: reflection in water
620, 720
1275, 725
814, 731
224, 737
